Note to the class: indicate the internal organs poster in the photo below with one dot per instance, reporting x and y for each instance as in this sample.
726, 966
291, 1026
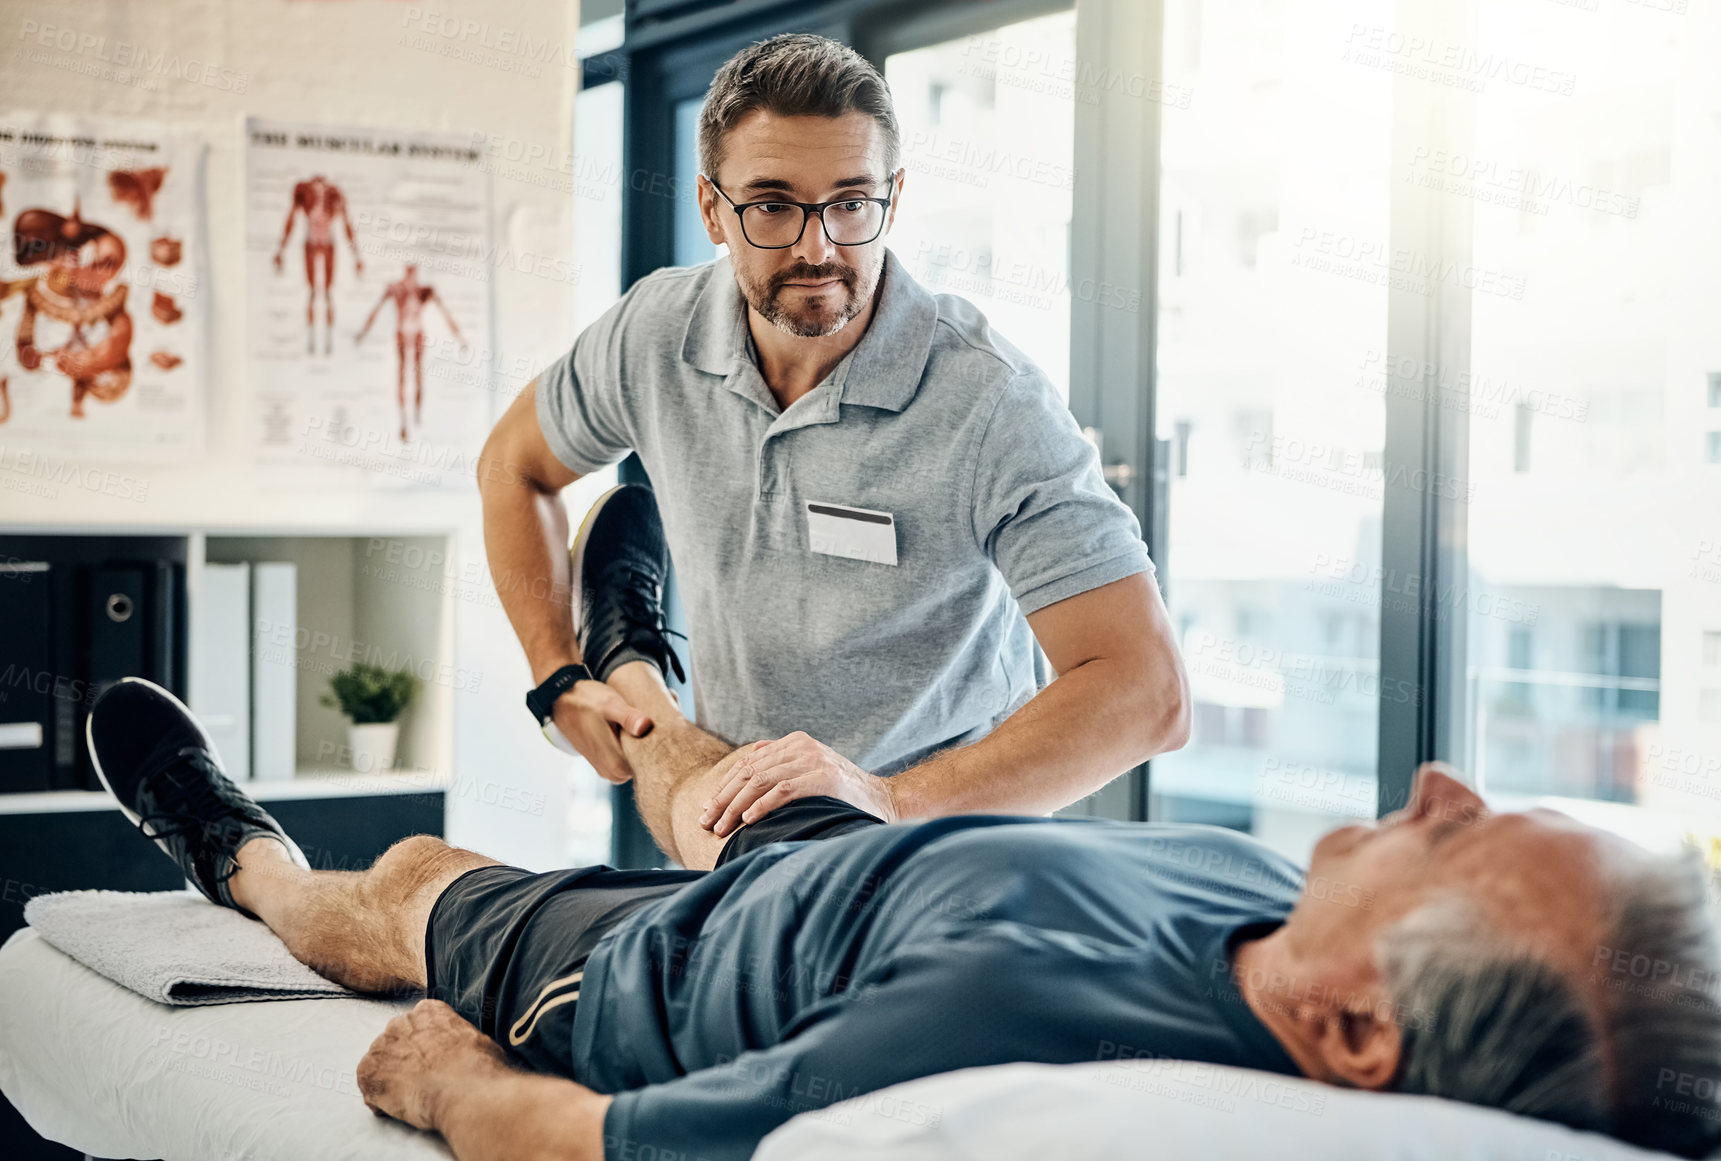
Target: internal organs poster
367, 279
102, 303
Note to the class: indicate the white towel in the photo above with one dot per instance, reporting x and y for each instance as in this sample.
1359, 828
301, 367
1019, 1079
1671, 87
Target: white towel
175, 947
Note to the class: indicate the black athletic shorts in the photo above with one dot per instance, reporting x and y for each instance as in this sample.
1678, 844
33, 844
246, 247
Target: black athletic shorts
507, 948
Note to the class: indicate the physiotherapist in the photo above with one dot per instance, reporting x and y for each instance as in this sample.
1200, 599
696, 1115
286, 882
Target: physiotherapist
875, 503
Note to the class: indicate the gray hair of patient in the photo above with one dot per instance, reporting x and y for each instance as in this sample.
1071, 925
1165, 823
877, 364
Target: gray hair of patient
1481, 1020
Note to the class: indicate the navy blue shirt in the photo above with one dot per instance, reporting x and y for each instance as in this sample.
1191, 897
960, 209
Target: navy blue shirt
806, 973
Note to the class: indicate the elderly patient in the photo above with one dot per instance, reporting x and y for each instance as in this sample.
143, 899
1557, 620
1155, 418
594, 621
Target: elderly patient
1492, 958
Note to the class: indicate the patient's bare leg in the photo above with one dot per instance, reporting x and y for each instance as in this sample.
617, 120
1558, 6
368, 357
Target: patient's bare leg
676, 768
364, 929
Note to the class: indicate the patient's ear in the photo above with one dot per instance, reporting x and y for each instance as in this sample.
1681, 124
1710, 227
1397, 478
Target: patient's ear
1358, 1048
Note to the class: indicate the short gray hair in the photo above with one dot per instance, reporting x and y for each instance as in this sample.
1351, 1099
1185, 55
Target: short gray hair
796, 74
1484, 1021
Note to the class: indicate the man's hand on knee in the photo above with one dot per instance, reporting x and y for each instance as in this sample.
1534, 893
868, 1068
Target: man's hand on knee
770, 773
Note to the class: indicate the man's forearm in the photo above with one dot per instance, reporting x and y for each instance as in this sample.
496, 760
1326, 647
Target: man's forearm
523, 1116
1075, 736
525, 533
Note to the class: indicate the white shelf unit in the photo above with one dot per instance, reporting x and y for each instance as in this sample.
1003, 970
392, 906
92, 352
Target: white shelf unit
358, 600
378, 597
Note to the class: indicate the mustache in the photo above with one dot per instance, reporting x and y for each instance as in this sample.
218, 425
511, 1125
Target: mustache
803, 272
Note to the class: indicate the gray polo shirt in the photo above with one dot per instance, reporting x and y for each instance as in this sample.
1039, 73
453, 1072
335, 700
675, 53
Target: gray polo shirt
996, 509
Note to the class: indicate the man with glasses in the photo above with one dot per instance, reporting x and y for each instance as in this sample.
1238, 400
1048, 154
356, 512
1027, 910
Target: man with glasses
877, 505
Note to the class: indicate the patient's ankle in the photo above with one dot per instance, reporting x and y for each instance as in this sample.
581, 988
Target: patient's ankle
642, 685
259, 848
260, 858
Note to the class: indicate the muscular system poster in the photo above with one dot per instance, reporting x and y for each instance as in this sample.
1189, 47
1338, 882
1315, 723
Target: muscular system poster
101, 316
367, 278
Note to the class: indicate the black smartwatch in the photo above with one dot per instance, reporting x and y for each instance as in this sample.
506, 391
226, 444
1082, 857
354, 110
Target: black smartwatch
542, 701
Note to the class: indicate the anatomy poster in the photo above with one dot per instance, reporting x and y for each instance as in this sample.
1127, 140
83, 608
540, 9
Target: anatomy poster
367, 276
101, 316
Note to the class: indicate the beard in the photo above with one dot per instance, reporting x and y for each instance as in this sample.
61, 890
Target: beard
817, 315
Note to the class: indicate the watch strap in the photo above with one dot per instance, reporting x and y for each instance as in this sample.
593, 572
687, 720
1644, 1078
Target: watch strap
542, 700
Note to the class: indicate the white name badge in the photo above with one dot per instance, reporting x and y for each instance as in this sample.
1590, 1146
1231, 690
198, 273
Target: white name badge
855, 533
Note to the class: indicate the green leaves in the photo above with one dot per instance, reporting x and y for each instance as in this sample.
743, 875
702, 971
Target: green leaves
369, 693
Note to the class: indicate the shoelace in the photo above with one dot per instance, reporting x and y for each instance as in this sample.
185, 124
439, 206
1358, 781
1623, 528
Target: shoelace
637, 611
202, 800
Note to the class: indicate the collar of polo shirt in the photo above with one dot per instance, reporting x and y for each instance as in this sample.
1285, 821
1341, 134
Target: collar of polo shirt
888, 361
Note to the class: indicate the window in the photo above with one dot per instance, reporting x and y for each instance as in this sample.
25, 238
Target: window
692, 244
1576, 335
1522, 417
1276, 184
1519, 648
1332, 629
988, 146
1565, 370
597, 181
1252, 226
1180, 448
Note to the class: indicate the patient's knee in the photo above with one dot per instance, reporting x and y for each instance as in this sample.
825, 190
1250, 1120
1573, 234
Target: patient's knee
408, 866
411, 850
689, 796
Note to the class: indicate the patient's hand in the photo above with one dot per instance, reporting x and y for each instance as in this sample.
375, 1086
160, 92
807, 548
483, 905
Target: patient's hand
421, 1057
796, 766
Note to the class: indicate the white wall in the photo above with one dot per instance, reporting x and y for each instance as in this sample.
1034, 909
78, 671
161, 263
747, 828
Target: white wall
359, 62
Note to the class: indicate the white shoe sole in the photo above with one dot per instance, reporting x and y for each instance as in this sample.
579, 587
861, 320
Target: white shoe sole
577, 554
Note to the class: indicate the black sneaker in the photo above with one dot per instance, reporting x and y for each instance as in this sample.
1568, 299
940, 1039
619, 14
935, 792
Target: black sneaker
620, 564
155, 759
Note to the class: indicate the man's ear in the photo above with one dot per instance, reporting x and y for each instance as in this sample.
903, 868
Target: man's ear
1358, 1048
709, 204
901, 176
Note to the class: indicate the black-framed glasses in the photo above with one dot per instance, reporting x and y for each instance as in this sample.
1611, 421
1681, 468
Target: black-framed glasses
772, 224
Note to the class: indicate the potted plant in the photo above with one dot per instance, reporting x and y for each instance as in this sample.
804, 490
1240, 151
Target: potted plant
373, 699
